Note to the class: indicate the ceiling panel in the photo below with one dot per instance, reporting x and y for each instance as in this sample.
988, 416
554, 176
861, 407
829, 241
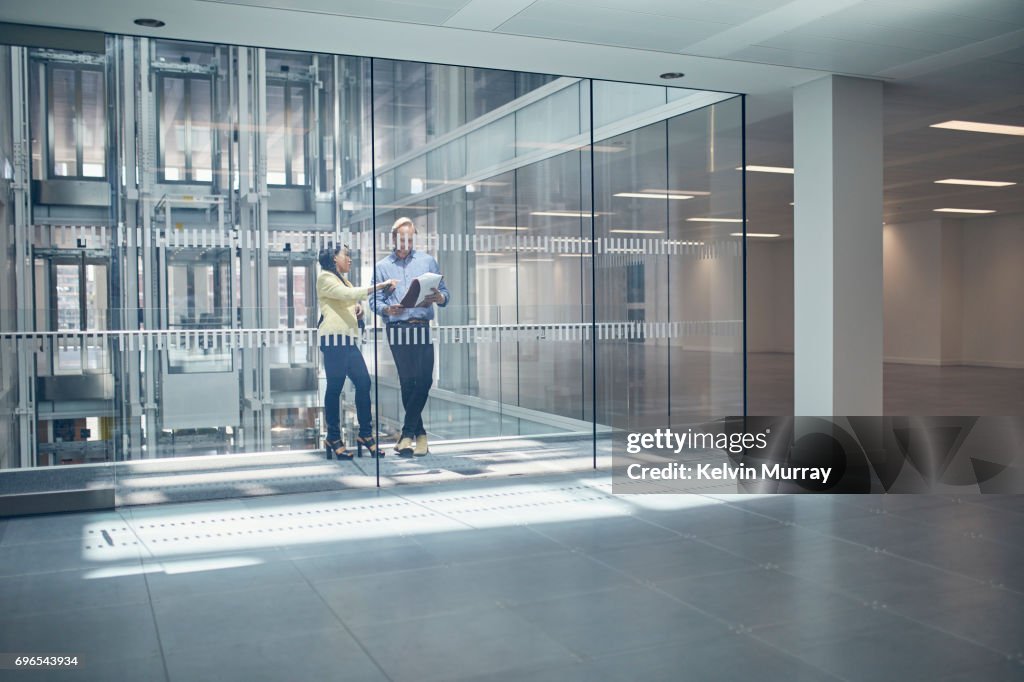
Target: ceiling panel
415, 11
877, 34
915, 17
585, 23
698, 10
868, 60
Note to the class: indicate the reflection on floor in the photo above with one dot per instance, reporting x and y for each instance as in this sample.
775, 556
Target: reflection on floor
228, 476
531, 579
909, 389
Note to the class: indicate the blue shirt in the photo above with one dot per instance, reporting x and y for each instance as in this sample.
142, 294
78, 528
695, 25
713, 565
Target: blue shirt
405, 270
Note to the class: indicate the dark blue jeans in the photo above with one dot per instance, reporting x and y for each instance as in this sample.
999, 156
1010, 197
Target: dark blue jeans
343, 361
414, 359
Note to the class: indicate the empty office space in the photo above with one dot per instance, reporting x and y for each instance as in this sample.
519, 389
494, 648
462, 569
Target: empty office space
512, 340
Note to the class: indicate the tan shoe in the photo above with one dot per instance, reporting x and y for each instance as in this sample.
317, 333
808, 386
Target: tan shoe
421, 446
404, 446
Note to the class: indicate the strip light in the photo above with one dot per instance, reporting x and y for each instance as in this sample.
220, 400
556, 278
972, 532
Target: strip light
963, 210
714, 220
651, 195
768, 169
974, 183
975, 127
765, 235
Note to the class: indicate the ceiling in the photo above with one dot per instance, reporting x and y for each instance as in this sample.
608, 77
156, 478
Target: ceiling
939, 59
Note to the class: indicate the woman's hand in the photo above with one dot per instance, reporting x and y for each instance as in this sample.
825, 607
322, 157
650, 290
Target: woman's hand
389, 284
359, 311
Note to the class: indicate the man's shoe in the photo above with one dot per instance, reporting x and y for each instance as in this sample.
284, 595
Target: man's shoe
421, 446
404, 447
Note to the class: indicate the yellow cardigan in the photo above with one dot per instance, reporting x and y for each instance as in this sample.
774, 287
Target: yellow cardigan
337, 301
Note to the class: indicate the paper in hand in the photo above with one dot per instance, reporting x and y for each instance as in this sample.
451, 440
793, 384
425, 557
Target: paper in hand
420, 288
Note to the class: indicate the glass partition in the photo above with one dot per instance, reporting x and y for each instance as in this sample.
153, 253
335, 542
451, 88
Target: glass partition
589, 235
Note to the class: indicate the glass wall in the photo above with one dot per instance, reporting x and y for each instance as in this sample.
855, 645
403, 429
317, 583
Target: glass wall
589, 235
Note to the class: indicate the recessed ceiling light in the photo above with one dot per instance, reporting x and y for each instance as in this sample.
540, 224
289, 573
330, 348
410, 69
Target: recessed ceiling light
764, 235
963, 210
500, 227
714, 220
769, 169
150, 23
975, 127
669, 75
626, 231
652, 195
976, 183
574, 255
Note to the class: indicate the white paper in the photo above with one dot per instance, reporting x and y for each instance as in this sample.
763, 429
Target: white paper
428, 282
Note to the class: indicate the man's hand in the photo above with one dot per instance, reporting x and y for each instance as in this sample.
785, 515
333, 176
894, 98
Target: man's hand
393, 310
431, 299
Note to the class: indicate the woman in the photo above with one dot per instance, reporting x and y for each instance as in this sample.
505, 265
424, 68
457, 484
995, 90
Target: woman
338, 332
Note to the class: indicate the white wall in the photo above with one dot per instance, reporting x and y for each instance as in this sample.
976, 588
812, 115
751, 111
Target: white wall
993, 291
770, 296
912, 267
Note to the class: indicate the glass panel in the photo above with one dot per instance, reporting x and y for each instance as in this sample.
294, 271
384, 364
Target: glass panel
94, 131
68, 352
276, 161
172, 128
64, 116
202, 131
297, 125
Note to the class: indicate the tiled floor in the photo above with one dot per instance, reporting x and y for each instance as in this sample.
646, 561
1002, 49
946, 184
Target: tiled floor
522, 579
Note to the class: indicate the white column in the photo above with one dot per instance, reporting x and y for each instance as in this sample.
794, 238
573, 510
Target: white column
837, 251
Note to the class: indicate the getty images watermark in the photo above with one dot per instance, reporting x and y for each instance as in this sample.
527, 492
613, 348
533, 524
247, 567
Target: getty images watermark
721, 468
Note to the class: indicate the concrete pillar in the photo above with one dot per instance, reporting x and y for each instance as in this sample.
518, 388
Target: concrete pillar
837, 263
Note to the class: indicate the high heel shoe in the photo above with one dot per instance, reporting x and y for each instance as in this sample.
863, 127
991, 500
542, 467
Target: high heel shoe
336, 448
370, 443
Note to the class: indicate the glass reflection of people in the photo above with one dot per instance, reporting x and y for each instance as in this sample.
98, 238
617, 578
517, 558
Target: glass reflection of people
338, 334
408, 329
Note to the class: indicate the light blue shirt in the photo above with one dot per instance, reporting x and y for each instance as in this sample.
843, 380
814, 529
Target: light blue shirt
405, 270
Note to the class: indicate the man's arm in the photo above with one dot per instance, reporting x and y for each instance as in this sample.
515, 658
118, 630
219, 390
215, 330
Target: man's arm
442, 288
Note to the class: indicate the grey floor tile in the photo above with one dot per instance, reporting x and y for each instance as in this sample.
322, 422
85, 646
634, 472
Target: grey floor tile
403, 557
323, 655
482, 544
533, 578
458, 645
582, 671
35, 593
352, 545
675, 559
884, 531
594, 535
1004, 671
772, 545
755, 598
702, 522
801, 509
620, 619
986, 561
27, 529
407, 595
120, 632
63, 555
986, 615
868, 644
226, 618
730, 657
204, 574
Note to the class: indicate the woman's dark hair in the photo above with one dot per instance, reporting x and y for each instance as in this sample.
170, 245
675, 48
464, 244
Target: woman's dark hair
326, 256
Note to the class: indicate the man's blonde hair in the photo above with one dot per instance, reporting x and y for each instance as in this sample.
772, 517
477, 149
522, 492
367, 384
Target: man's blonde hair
399, 223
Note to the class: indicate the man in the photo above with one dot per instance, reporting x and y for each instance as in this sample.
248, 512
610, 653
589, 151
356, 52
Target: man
408, 329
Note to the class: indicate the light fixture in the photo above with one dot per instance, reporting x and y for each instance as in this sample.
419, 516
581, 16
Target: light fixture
500, 227
536, 260
691, 192
566, 214
768, 169
150, 23
764, 235
975, 127
974, 183
714, 220
963, 210
670, 75
626, 231
651, 195
575, 255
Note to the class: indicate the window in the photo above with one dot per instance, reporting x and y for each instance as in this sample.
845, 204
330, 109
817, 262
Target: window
186, 133
77, 124
287, 106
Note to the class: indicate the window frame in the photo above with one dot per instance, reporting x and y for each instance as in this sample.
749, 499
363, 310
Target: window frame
186, 78
49, 169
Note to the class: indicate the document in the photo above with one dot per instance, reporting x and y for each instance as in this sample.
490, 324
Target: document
420, 288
